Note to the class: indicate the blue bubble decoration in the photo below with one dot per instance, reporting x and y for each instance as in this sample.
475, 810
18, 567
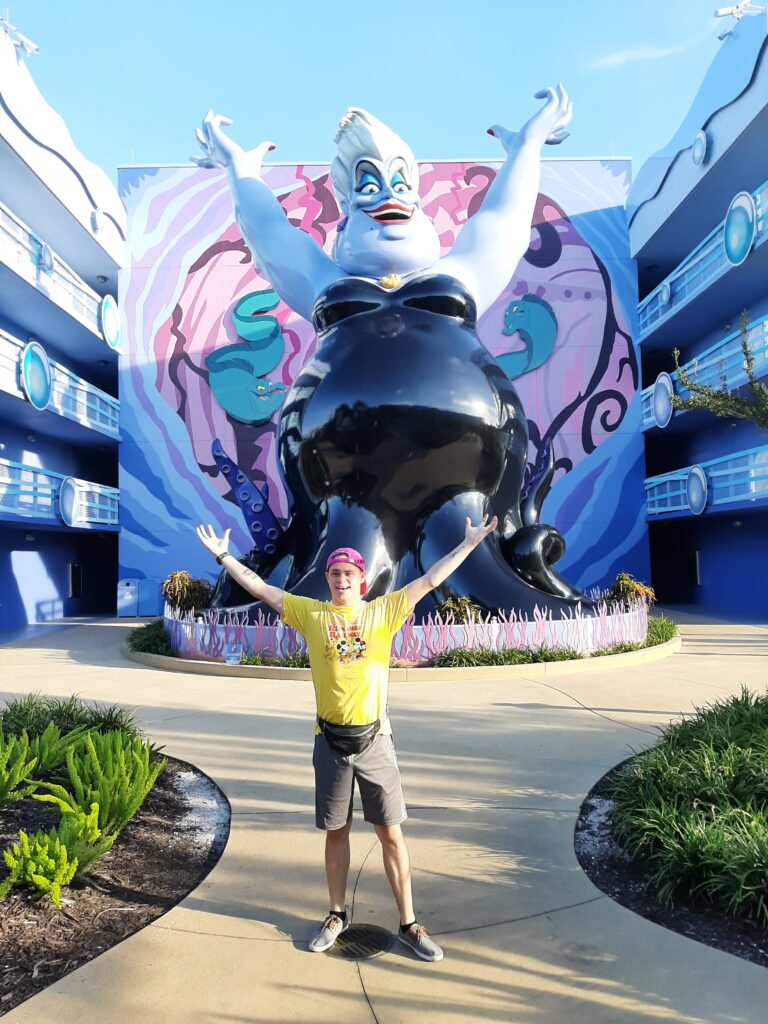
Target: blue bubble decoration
699, 148
696, 490
69, 501
661, 400
110, 321
739, 228
36, 376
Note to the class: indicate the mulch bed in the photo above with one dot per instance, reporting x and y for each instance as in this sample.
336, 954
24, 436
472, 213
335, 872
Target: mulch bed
627, 882
161, 855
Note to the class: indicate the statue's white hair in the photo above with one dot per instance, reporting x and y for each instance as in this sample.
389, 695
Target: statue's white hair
360, 135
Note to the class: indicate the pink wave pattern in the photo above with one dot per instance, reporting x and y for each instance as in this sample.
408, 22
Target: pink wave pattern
203, 636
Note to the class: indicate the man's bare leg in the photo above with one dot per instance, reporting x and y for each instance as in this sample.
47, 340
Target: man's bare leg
337, 864
397, 866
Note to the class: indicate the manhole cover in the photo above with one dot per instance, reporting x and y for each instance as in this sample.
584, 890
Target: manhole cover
361, 942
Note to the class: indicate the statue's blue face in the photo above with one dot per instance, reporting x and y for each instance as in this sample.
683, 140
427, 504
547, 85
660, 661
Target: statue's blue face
386, 231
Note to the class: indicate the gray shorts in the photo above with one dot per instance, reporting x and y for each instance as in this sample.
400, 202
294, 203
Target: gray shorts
378, 779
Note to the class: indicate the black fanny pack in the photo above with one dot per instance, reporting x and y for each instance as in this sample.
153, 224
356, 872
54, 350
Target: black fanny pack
349, 739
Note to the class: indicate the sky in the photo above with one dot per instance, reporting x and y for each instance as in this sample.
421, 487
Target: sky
133, 78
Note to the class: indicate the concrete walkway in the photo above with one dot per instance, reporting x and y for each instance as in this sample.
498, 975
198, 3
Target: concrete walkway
494, 772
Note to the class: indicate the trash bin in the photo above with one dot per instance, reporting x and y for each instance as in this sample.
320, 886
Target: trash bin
128, 598
150, 597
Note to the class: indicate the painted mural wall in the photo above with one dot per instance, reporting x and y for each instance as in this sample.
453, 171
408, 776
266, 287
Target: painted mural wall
210, 354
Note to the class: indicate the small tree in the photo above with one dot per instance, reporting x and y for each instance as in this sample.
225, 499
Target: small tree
184, 593
720, 401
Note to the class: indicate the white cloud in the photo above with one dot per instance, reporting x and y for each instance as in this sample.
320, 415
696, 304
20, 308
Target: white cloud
645, 53
621, 57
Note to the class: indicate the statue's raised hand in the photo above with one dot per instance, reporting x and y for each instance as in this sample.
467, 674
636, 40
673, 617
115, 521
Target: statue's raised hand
219, 150
546, 127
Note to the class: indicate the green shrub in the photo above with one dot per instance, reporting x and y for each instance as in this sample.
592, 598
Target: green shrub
16, 768
660, 630
49, 749
41, 864
150, 639
555, 654
694, 808
34, 712
477, 657
115, 771
623, 648
298, 660
460, 609
186, 594
625, 589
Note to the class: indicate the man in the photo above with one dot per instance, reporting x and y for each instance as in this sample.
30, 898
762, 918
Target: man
349, 642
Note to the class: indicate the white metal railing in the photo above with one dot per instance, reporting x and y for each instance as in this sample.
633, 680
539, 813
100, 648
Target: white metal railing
707, 261
722, 360
72, 397
33, 260
737, 479
30, 492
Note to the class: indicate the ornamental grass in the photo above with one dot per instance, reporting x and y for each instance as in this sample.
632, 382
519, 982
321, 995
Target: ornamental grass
694, 808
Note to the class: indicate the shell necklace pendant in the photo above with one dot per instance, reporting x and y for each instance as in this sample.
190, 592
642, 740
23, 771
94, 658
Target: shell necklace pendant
390, 281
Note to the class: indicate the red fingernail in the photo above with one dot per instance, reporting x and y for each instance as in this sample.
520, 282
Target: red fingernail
490, 131
270, 149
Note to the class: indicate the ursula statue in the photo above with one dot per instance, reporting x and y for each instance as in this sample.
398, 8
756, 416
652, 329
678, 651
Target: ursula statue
401, 425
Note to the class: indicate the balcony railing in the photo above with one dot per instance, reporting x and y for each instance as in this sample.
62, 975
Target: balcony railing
31, 493
726, 358
32, 259
707, 261
70, 395
736, 480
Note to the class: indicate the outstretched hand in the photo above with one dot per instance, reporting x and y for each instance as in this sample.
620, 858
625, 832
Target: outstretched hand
219, 150
216, 545
475, 535
547, 126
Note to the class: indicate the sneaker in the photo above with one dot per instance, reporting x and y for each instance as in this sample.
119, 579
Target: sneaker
417, 939
327, 933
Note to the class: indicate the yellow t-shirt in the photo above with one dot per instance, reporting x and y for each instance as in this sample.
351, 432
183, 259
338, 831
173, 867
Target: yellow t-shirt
349, 652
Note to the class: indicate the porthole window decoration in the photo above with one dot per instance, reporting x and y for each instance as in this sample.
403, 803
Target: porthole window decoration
36, 375
69, 501
665, 293
661, 400
739, 228
110, 321
699, 148
696, 490
45, 258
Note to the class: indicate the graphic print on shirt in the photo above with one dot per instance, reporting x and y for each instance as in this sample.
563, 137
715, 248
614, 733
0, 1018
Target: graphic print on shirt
345, 643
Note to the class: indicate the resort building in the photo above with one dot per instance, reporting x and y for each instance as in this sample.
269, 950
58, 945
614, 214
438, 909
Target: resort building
62, 233
698, 222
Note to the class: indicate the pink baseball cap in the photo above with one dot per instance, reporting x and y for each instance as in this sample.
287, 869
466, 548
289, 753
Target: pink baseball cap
351, 557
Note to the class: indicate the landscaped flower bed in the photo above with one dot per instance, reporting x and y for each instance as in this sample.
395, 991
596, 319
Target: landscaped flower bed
207, 634
694, 809
464, 644
91, 764
50, 923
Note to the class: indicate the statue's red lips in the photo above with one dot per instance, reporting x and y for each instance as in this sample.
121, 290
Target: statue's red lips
390, 213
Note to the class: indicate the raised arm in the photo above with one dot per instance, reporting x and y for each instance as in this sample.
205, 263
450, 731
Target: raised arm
492, 242
442, 569
247, 578
293, 263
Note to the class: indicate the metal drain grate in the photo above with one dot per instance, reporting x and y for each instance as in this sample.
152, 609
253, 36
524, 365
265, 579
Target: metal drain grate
361, 942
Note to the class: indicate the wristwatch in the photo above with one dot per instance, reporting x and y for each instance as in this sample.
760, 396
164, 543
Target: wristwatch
223, 555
